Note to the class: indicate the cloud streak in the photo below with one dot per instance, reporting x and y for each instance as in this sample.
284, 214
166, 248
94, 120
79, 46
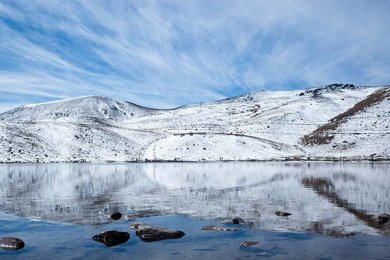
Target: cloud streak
170, 53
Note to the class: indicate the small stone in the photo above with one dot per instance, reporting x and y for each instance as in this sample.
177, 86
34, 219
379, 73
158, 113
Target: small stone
112, 237
282, 214
218, 228
116, 216
238, 220
248, 243
11, 243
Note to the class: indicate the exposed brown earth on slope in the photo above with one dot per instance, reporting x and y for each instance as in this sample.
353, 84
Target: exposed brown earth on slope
324, 135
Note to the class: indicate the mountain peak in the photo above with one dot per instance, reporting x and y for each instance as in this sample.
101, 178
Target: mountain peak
86, 107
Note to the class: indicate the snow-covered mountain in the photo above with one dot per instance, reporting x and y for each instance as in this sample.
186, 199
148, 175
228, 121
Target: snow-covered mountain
328, 123
75, 109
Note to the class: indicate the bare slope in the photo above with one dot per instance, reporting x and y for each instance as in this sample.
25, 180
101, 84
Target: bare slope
325, 133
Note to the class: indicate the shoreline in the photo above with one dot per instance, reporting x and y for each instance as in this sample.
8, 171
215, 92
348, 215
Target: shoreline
286, 159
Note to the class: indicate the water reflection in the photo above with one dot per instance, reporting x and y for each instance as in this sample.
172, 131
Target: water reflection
327, 195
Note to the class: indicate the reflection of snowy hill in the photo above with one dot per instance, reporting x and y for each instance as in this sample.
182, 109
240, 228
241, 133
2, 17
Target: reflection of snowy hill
253, 191
256, 126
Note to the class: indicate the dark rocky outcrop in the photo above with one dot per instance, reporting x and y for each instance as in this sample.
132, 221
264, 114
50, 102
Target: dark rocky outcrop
282, 214
11, 243
112, 237
116, 216
219, 228
248, 243
382, 218
149, 233
237, 220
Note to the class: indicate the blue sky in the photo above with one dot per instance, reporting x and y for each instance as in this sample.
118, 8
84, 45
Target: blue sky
171, 53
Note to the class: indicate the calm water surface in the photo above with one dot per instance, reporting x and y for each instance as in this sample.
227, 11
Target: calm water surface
57, 208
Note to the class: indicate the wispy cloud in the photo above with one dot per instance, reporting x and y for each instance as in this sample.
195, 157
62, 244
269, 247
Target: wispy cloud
169, 53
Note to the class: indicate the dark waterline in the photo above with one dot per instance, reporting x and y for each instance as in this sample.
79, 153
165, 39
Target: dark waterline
57, 208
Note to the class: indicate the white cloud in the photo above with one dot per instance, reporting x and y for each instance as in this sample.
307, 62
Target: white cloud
167, 53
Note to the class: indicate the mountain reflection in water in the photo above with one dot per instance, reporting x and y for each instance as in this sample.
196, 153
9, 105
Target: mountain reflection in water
340, 196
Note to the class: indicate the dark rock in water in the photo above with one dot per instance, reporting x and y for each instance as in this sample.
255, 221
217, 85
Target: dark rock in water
149, 233
156, 234
116, 216
11, 243
383, 218
238, 220
282, 214
248, 243
112, 237
218, 228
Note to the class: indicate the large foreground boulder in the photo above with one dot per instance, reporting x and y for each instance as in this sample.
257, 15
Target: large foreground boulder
149, 233
11, 243
112, 237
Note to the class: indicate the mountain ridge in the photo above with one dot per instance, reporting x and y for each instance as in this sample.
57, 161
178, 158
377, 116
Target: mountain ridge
265, 125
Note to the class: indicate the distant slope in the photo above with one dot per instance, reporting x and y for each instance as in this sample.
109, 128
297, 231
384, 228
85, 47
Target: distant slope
266, 125
91, 107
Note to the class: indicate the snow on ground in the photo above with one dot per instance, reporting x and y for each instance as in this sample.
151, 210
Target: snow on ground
258, 126
91, 107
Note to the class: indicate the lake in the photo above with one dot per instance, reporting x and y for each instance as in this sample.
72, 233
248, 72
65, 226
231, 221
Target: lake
57, 208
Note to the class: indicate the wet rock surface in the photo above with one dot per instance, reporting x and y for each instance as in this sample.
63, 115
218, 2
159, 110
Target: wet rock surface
282, 214
149, 233
219, 228
248, 243
11, 243
116, 216
112, 237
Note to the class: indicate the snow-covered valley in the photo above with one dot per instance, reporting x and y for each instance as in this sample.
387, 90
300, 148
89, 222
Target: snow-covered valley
329, 123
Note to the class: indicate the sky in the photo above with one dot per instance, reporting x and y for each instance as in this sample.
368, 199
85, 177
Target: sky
169, 53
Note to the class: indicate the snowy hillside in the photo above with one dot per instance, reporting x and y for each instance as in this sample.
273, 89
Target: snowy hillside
91, 107
267, 125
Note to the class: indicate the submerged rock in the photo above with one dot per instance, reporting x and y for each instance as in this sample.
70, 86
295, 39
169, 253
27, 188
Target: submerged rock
219, 228
237, 220
248, 243
149, 233
335, 232
282, 214
112, 237
116, 216
145, 213
11, 243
